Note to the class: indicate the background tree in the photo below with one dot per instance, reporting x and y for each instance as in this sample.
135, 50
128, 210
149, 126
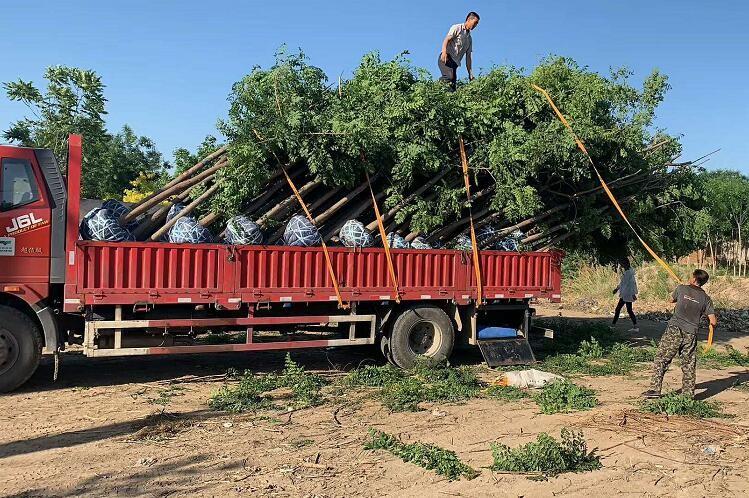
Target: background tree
74, 102
727, 210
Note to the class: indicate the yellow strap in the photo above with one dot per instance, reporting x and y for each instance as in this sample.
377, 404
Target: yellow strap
385, 242
474, 245
581, 146
324, 247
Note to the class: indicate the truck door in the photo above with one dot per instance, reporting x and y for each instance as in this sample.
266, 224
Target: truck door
24, 219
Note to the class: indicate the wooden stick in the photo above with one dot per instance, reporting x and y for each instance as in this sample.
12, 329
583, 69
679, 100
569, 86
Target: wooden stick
285, 204
185, 211
157, 217
325, 215
150, 201
174, 189
391, 212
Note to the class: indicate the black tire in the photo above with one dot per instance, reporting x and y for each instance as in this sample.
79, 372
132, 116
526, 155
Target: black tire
385, 349
20, 348
421, 330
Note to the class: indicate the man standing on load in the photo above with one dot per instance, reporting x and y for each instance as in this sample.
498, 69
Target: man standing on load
456, 44
692, 303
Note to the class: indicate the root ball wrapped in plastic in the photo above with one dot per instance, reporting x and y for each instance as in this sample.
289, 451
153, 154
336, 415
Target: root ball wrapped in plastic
187, 230
120, 209
301, 232
242, 230
104, 224
396, 241
463, 243
354, 234
420, 243
512, 242
174, 210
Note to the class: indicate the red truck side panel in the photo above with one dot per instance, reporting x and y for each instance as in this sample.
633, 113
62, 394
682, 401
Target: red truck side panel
124, 273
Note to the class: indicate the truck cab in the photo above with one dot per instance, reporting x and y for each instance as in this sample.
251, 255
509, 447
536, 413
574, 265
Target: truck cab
32, 237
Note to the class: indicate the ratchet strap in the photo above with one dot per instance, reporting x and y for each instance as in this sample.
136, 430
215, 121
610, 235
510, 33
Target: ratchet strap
341, 304
385, 242
581, 146
474, 245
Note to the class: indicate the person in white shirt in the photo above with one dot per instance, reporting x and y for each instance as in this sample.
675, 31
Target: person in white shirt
457, 44
627, 290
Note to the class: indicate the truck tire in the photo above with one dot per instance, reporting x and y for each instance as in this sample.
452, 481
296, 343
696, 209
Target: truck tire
20, 348
421, 330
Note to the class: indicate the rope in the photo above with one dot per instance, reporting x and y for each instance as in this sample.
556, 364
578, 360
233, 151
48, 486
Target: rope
581, 146
474, 244
385, 242
341, 304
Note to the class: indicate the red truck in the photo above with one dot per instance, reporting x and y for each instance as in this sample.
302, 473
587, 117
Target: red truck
155, 298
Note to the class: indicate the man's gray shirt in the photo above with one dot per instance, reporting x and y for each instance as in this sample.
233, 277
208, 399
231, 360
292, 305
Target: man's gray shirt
691, 304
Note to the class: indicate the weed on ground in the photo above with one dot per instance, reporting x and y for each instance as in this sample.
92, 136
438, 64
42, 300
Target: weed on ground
404, 390
505, 393
443, 462
547, 456
564, 396
730, 357
160, 427
591, 349
681, 404
251, 393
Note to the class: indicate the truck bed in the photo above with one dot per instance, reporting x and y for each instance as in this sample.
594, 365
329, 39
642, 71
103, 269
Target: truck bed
159, 273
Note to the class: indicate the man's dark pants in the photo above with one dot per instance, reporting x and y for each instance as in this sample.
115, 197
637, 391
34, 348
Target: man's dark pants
448, 70
676, 341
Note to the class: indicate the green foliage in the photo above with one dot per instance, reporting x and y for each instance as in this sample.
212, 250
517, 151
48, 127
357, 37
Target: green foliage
404, 390
408, 125
443, 462
681, 404
251, 392
505, 393
564, 396
374, 376
730, 357
74, 102
547, 455
592, 349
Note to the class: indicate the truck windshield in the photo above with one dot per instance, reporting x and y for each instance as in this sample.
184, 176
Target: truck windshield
19, 184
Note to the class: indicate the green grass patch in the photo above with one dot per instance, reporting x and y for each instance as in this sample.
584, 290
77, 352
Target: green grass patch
730, 357
251, 393
547, 456
681, 404
563, 397
443, 462
592, 349
405, 390
505, 393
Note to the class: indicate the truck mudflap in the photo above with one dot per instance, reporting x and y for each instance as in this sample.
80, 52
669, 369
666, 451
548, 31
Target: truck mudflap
50, 327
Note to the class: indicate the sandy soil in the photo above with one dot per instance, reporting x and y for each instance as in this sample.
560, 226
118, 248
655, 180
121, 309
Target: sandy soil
79, 436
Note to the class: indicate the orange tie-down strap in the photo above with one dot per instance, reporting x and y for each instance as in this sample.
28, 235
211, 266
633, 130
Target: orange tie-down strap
341, 304
385, 242
474, 245
610, 194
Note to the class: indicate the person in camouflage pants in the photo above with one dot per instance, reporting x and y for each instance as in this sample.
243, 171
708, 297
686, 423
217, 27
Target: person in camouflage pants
680, 337
676, 341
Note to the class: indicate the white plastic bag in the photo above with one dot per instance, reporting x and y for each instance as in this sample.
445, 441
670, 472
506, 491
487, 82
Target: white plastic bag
526, 378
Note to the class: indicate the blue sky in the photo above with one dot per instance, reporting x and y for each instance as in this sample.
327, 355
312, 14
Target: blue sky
169, 65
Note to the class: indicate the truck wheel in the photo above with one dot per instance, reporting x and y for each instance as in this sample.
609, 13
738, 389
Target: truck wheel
20, 348
385, 349
421, 330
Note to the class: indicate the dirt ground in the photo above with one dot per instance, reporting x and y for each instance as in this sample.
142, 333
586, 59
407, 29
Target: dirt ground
80, 435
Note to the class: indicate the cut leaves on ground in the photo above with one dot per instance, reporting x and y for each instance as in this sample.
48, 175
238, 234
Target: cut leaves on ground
443, 462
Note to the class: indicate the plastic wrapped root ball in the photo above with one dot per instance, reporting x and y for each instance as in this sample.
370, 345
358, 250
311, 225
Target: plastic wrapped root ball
301, 232
174, 210
187, 230
120, 209
420, 243
485, 233
354, 234
463, 243
103, 224
512, 242
242, 230
396, 241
